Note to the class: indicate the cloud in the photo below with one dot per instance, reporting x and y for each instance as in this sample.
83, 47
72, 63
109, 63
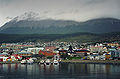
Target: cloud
79, 10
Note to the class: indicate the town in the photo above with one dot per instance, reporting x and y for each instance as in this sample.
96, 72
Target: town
40, 52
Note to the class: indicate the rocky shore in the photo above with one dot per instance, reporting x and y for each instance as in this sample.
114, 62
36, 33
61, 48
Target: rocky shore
92, 61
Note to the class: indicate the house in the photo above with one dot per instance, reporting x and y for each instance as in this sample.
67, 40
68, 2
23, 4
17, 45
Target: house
96, 49
82, 52
112, 44
97, 57
115, 54
112, 49
94, 57
107, 56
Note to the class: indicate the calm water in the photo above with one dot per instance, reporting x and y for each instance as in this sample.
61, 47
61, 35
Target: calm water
62, 71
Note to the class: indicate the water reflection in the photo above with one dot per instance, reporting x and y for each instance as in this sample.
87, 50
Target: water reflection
37, 71
48, 68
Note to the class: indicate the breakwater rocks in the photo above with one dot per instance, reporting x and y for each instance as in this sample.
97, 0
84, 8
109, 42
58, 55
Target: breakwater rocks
117, 62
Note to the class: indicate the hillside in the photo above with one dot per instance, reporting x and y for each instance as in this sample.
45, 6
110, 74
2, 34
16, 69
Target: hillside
80, 37
29, 23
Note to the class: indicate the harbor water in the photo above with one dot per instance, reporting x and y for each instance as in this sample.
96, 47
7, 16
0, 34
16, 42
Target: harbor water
61, 71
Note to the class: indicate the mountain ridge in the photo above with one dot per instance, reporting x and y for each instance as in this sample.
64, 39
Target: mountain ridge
30, 25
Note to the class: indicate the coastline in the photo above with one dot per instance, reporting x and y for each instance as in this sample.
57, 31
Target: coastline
117, 62
15, 62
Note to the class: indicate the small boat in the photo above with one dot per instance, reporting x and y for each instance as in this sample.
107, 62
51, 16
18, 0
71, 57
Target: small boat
42, 62
23, 62
30, 61
47, 62
55, 62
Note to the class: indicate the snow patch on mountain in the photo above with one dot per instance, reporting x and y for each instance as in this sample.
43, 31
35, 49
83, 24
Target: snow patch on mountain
30, 16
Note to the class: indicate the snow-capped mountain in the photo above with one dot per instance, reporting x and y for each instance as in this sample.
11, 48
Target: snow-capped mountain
33, 23
30, 16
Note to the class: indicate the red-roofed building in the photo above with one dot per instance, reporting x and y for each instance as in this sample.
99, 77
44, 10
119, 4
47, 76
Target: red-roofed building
46, 53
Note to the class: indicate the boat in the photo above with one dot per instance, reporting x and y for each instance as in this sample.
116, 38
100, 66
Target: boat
47, 62
55, 62
30, 61
42, 62
23, 62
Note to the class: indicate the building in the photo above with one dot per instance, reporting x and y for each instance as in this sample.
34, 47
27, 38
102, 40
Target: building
82, 53
34, 50
63, 51
46, 53
96, 57
113, 44
96, 49
115, 54
50, 48
25, 54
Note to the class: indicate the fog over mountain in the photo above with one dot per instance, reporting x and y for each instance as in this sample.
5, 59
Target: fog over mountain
32, 23
78, 10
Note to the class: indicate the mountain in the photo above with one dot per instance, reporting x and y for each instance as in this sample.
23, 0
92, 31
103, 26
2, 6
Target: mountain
32, 23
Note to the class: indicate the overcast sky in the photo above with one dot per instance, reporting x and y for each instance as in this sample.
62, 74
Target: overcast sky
79, 10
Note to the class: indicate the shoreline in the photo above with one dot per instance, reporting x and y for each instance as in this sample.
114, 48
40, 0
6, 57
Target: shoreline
117, 62
16, 62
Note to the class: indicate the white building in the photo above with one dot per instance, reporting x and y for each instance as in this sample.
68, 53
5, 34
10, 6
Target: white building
34, 50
